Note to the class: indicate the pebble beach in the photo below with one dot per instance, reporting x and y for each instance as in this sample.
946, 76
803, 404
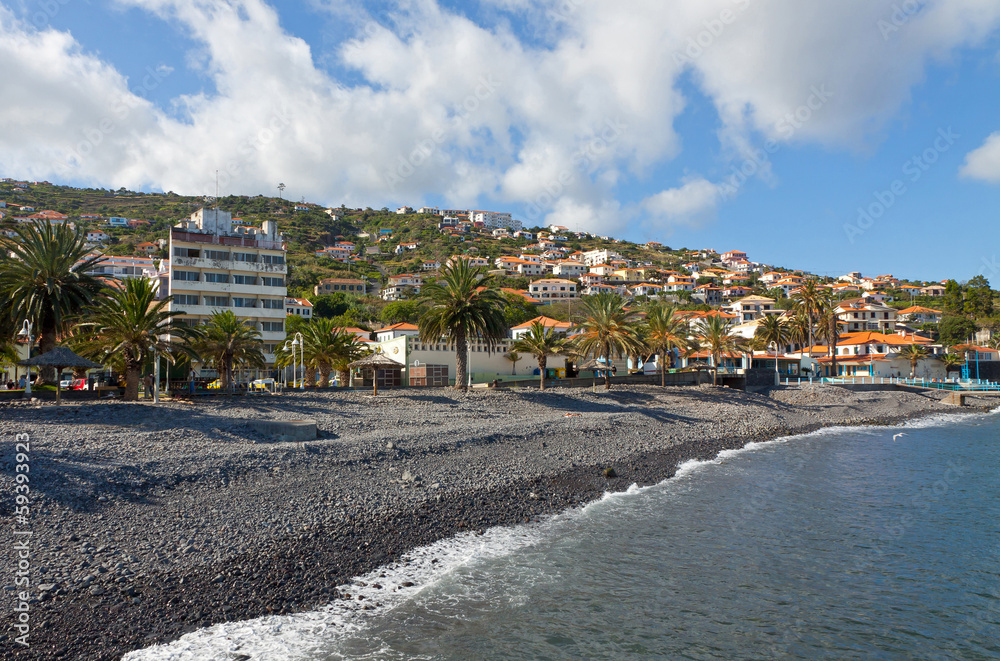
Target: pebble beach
150, 521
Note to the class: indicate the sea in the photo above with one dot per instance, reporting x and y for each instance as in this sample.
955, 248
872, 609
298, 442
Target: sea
846, 543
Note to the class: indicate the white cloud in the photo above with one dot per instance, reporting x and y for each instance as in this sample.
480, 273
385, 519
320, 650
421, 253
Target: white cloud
692, 202
469, 111
984, 163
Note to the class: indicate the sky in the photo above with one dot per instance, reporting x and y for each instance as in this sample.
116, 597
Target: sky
831, 135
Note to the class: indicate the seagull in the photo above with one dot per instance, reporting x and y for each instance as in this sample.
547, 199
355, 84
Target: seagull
895, 436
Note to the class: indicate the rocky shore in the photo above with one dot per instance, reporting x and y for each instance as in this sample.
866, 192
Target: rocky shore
151, 521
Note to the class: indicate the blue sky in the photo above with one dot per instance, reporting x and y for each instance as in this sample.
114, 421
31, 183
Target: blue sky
627, 120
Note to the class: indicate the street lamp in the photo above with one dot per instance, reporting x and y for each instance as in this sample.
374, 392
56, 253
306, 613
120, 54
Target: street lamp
777, 375
26, 332
301, 343
292, 344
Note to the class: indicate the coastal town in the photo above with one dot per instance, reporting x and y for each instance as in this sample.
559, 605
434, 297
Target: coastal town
771, 317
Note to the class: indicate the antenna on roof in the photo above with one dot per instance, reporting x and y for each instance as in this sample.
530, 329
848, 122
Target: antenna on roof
216, 190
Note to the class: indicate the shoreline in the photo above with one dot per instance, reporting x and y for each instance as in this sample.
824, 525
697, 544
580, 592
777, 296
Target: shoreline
352, 507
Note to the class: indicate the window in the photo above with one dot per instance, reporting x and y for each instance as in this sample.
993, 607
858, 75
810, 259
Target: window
272, 303
245, 257
190, 276
244, 302
217, 254
185, 299
216, 277
217, 301
272, 326
244, 280
273, 282
186, 252
273, 259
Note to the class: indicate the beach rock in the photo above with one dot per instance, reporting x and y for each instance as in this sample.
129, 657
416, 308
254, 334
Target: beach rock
610, 473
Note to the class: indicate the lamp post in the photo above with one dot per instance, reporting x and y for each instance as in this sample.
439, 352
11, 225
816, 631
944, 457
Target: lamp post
301, 343
287, 345
294, 343
26, 332
156, 376
777, 375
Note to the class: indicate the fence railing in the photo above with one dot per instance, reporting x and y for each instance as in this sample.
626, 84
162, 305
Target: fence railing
974, 385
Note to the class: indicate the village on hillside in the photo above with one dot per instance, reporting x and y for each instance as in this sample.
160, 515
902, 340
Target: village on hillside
279, 265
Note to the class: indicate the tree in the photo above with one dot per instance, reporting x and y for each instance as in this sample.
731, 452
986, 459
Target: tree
228, 342
541, 342
954, 330
798, 329
953, 300
978, 297
810, 299
517, 310
717, 338
318, 351
349, 348
513, 357
460, 307
609, 330
48, 281
952, 362
400, 312
126, 327
913, 353
664, 331
772, 329
331, 305
829, 327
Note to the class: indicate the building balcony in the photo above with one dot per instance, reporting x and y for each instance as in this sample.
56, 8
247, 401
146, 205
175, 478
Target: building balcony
229, 265
225, 288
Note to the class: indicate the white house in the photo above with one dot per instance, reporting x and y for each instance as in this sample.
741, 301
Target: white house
569, 268
97, 236
553, 290
298, 306
118, 221
752, 307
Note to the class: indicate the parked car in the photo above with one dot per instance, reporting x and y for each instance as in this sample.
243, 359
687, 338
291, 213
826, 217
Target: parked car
65, 383
78, 384
262, 384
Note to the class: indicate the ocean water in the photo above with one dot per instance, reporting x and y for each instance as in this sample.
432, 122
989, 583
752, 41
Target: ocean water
842, 544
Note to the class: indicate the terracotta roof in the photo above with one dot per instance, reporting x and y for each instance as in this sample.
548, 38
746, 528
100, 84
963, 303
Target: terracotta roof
548, 322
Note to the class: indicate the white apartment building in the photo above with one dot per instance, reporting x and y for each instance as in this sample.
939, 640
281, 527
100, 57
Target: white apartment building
299, 307
213, 268
552, 290
125, 267
569, 268
399, 285
595, 257
494, 220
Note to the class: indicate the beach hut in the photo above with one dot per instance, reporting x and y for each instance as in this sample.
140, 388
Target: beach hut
375, 362
594, 367
59, 358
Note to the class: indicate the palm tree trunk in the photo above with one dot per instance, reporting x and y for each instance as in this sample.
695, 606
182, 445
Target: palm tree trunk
132, 382
46, 343
663, 369
461, 361
542, 364
344, 377
324, 375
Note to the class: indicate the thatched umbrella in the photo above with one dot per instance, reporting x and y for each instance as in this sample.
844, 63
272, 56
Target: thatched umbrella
593, 366
375, 362
59, 358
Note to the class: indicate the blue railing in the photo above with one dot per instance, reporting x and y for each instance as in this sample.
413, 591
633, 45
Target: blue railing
963, 386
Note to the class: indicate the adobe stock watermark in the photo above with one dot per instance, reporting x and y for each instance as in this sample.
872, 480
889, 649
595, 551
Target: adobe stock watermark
913, 169
586, 157
696, 46
121, 108
424, 149
786, 127
564, 10
47, 10
250, 148
22, 539
902, 13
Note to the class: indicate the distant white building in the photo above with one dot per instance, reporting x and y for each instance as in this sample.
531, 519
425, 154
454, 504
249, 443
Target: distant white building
595, 257
117, 221
299, 307
494, 220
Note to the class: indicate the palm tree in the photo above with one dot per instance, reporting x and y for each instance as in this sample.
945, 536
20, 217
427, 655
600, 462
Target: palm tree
319, 350
810, 299
541, 342
798, 329
609, 330
348, 349
717, 339
461, 306
952, 362
513, 357
772, 329
664, 331
126, 327
913, 353
48, 281
829, 329
228, 342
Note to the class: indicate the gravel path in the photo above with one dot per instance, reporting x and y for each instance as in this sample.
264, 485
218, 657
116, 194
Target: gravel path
152, 521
